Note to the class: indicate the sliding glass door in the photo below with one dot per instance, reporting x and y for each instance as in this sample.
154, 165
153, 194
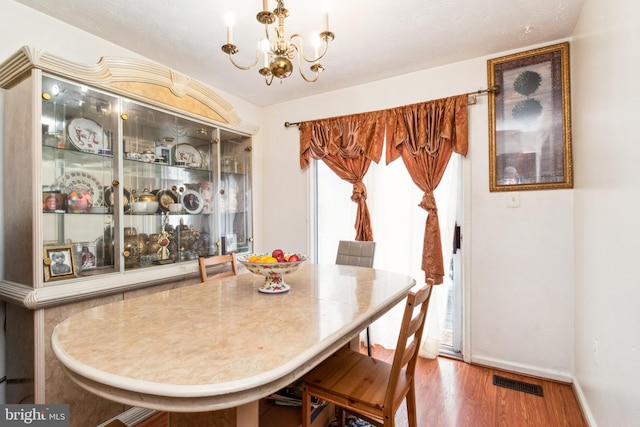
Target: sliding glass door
398, 228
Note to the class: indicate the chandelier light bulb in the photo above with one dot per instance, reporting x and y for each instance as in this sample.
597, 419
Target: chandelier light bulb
230, 20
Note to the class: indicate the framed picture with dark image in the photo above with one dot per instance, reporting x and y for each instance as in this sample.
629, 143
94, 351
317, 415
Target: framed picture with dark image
530, 120
59, 263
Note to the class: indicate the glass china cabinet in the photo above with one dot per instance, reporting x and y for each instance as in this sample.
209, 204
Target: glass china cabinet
126, 183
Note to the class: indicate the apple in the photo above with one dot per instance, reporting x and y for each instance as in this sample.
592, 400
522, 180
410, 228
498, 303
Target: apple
278, 254
294, 257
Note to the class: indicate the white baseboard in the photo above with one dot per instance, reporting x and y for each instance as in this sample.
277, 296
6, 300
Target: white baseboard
586, 411
535, 371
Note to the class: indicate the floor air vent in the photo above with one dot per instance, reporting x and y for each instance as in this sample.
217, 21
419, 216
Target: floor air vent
517, 385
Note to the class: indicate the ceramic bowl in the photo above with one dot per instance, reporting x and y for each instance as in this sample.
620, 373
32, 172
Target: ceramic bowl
152, 207
273, 272
139, 207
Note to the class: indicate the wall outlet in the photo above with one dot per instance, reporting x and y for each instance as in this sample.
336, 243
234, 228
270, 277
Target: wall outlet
513, 200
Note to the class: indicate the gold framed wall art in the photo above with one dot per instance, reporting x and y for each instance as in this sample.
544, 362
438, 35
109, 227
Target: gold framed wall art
530, 120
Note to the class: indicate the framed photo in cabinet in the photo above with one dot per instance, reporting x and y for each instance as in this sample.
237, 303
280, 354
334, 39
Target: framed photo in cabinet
59, 263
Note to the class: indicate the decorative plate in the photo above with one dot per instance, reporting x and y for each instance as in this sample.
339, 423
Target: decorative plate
110, 194
87, 135
192, 202
81, 180
188, 155
79, 201
165, 198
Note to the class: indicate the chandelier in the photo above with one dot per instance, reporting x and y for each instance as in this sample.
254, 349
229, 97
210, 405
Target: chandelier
278, 52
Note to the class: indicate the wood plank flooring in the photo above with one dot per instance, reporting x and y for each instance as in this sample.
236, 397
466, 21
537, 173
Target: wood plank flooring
451, 393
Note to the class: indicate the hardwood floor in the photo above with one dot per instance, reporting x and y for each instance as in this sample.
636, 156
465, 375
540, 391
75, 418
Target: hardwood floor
451, 393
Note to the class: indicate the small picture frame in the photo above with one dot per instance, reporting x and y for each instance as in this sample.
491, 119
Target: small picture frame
530, 120
229, 243
54, 202
86, 255
59, 263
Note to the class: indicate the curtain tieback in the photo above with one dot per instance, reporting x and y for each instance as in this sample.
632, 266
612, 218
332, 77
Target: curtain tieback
428, 202
359, 192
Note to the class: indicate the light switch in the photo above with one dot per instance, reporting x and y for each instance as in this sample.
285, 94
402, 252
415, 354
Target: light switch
513, 200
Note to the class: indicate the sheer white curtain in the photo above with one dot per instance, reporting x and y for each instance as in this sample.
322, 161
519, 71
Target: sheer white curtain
398, 229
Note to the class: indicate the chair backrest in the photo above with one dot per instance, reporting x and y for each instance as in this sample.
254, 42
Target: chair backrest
356, 253
408, 346
217, 261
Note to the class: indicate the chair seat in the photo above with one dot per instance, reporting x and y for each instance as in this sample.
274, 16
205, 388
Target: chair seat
334, 379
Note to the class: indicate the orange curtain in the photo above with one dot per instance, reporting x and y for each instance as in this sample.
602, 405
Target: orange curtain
425, 135
347, 145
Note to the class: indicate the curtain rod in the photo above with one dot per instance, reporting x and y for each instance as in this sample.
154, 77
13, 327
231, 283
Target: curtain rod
493, 89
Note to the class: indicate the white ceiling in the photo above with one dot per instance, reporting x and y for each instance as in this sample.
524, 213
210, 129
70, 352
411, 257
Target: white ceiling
374, 39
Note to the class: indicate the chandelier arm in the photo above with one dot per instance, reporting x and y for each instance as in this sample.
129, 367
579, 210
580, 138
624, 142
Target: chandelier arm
247, 67
301, 48
316, 72
266, 33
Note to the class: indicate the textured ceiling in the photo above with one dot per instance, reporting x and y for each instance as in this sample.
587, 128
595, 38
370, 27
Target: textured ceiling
374, 39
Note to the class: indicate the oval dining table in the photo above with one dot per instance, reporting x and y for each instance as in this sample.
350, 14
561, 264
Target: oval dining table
222, 343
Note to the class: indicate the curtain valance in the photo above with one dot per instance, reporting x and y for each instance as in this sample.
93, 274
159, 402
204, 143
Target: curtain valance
348, 145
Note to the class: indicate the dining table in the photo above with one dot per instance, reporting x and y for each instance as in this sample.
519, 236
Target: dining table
222, 343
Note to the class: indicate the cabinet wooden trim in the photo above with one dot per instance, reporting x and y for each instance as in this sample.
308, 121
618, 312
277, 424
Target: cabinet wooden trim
51, 296
134, 78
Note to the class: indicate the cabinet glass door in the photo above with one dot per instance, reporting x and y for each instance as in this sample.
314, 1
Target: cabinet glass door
168, 179
236, 233
79, 127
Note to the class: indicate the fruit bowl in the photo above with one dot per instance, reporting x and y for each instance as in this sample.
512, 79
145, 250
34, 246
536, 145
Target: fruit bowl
273, 272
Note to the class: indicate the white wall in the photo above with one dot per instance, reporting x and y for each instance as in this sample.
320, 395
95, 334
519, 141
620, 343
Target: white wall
518, 261
605, 63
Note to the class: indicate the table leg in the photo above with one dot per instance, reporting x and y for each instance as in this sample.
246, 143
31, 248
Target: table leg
354, 344
248, 415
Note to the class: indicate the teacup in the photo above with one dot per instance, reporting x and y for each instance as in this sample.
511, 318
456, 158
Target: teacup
175, 207
148, 156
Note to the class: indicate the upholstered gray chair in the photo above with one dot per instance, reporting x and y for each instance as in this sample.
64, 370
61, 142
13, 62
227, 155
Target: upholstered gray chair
359, 254
356, 253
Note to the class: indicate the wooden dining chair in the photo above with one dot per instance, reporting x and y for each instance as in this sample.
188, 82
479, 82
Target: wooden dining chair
358, 253
372, 389
218, 261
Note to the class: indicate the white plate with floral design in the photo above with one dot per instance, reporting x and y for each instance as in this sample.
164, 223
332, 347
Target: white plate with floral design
87, 135
188, 155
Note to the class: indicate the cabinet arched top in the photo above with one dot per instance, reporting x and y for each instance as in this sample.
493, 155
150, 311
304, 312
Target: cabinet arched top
135, 78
